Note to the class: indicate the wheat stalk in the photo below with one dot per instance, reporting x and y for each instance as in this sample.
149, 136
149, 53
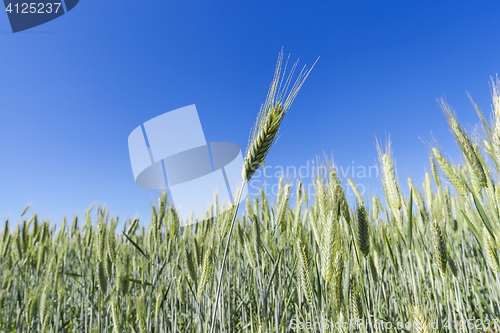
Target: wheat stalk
476, 169
263, 137
190, 267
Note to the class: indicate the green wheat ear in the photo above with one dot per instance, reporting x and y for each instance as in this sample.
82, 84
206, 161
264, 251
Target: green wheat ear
420, 321
355, 300
303, 267
257, 241
43, 305
450, 173
140, 307
476, 171
435, 173
439, 247
206, 273
337, 280
328, 247
363, 236
265, 132
282, 209
278, 101
373, 270
250, 251
101, 277
389, 177
190, 268
490, 251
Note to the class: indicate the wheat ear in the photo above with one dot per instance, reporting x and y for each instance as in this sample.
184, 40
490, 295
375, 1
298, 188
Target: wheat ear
206, 272
439, 247
363, 236
450, 173
355, 300
476, 170
263, 137
303, 267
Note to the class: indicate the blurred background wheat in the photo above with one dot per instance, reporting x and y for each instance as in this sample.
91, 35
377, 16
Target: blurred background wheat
424, 257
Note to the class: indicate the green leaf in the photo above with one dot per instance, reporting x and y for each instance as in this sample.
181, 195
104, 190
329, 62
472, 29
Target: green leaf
141, 282
273, 273
164, 297
484, 218
136, 246
394, 262
471, 225
401, 235
25, 209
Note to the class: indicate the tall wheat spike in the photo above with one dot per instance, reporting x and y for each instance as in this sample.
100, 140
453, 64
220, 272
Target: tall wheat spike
115, 314
363, 227
419, 320
328, 247
495, 136
373, 269
389, 177
439, 247
282, 209
375, 209
249, 250
43, 306
435, 174
450, 173
140, 307
476, 169
101, 277
198, 257
303, 271
206, 272
490, 250
190, 268
429, 197
278, 101
277, 104
257, 241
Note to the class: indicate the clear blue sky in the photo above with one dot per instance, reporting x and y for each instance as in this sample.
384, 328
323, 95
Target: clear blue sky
73, 89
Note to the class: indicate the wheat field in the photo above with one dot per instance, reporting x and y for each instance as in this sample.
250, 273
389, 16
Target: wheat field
428, 259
